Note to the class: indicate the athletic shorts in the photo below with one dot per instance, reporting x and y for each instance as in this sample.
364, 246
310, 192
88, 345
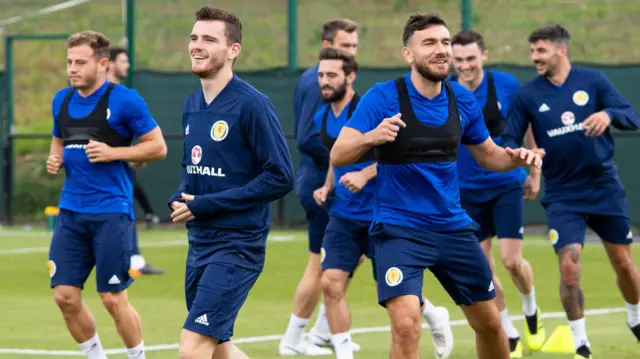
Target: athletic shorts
344, 242
82, 240
317, 216
498, 211
455, 258
214, 294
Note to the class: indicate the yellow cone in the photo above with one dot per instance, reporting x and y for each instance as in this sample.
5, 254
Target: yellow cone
561, 341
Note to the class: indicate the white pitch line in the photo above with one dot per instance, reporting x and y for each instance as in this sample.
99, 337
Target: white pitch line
273, 338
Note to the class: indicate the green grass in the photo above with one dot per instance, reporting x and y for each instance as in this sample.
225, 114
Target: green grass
604, 31
31, 319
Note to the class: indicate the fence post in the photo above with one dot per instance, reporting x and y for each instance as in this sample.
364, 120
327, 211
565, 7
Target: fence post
465, 10
292, 27
131, 40
7, 133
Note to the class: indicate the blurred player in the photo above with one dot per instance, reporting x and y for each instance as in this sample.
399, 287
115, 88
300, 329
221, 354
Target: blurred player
495, 200
94, 123
346, 238
117, 72
416, 124
236, 163
314, 163
570, 109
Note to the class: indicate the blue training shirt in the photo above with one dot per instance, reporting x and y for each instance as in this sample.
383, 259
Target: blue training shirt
236, 162
471, 175
420, 195
101, 187
346, 204
578, 170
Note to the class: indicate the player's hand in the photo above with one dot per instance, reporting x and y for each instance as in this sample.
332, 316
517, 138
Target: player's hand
523, 156
187, 197
175, 205
532, 185
596, 124
320, 195
99, 152
54, 163
354, 181
387, 130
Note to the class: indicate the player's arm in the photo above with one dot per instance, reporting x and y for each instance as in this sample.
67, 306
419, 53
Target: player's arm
355, 181
320, 195
308, 98
616, 110
367, 127
56, 148
266, 138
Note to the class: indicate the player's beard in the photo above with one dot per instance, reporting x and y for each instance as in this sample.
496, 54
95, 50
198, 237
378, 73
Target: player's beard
337, 94
88, 81
211, 69
425, 71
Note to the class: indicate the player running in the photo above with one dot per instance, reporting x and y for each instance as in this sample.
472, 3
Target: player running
94, 124
495, 200
416, 124
236, 162
570, 110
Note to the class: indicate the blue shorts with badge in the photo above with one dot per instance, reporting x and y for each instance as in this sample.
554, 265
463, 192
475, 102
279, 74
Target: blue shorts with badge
344, 242
498, 211
83, 240
455, 258
214, 294
609, 220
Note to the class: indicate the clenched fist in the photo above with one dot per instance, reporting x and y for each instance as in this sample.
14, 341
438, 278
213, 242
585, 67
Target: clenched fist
54, 163
387, 130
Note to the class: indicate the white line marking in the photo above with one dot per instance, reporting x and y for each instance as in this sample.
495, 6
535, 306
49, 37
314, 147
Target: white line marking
174, 243
273, 338
43, 11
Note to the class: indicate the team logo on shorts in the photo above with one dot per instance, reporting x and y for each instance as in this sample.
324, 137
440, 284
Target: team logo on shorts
553, 236
323, 254
219, 130
580, 98
499, 106
196, 155
568, 118
51, 266
393, 277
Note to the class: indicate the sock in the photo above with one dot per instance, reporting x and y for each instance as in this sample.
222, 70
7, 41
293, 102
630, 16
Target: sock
137, 352
93, 348
137, 261
429, 314
633, 312
342, 345
321, 327
507, 325
579, 329
294, 332
529, 306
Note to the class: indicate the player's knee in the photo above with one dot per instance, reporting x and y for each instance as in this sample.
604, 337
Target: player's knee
570, 272
114, 303
486, 324
512, 263
406, 328
332, 284
623, 263
67, 299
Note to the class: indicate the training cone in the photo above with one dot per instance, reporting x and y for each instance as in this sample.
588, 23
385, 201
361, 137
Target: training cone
560, 341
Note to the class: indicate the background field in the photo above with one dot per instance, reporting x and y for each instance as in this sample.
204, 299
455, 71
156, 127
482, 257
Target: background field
30, 319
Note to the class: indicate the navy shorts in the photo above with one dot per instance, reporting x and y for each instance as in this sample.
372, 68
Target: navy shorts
82, 240
455, 258
214, 295
344, 242
317, 219
498, 211
569, 227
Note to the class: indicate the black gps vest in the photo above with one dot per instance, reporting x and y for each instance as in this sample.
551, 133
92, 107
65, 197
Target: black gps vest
493, 119
95, 126
419, 142
328, 141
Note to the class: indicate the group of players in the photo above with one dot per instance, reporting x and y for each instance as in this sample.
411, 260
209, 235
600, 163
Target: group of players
383, 176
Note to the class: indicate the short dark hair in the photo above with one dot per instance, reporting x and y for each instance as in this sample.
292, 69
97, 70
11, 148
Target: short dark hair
115, 51
420, 22
331, 28
233, 25
349, 63
553, 33
468, 37
97, 41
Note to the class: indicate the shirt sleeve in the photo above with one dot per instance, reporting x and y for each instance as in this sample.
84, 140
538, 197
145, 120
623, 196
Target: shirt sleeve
517, 122
318, 118
622, 115
138, 118
308, 141
369, 112
511, 86
184, 181
475, 132
56, 103
266, 138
